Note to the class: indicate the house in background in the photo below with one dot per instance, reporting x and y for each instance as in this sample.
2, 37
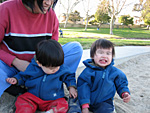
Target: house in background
137, 20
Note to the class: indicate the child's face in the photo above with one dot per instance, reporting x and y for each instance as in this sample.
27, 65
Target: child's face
103, 57
49, 70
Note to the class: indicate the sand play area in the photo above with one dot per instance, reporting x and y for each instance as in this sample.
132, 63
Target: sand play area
138, 73
137, 70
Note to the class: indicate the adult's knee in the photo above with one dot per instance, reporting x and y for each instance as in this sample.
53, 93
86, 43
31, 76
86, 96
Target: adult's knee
78, 47
73, 48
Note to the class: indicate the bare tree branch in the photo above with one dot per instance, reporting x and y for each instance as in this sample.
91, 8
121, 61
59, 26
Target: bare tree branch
68, 5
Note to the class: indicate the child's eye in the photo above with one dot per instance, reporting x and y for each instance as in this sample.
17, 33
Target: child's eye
99, 52
109, 53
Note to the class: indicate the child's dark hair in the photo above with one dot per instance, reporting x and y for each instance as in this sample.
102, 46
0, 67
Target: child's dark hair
103, 44
49, 53
30, 3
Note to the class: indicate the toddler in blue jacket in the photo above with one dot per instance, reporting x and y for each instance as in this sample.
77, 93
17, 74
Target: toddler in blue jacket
44, 78
100, 80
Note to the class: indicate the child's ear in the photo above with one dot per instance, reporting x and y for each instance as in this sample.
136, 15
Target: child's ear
38, 63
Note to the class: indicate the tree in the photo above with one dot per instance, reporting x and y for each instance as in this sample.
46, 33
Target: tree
146, 13
114, 7
138, 6
74, 16
87, 5
68, 6
126, 20
144, 7
101, 15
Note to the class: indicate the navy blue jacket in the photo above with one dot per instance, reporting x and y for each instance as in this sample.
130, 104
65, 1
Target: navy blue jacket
46, 86
96, 84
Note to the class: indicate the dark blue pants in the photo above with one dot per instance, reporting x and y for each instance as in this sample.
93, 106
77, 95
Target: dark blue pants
103, 107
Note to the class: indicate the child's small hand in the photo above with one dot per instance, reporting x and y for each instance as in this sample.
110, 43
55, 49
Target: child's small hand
126, 97
72, 92
11, 80
85, 110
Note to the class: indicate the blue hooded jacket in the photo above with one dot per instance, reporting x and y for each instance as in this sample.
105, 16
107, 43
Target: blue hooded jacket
96, 84
46, 86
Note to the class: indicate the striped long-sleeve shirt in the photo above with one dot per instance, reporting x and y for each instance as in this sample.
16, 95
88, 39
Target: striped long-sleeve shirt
21, 30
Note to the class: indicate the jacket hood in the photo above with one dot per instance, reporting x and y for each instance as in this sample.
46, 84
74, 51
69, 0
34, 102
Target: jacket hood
90, 63
33, 60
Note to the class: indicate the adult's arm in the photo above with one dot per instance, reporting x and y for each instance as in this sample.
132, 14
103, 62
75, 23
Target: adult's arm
4, 17
5, 56
8, 58
21, 65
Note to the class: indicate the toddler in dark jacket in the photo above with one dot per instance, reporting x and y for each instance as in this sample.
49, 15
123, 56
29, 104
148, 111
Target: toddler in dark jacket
100, 80
44, 78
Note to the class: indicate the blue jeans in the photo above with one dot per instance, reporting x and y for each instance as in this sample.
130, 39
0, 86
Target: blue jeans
74, 106
103, 107
5, 72
72, 55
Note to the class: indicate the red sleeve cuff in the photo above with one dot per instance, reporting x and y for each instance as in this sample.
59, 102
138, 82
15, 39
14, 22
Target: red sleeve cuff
85, 106
123, 94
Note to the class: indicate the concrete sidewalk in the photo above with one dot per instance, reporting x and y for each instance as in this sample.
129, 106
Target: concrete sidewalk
120, 52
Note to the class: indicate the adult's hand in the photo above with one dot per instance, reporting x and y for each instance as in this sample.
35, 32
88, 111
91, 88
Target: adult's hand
21, 65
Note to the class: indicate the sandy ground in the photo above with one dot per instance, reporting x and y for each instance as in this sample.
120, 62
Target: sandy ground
137, 70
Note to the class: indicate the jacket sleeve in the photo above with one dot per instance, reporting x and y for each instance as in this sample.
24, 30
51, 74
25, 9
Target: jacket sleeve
4, 17
83, 87
20, 79
121, 83
69, 80
23, 76
68, 77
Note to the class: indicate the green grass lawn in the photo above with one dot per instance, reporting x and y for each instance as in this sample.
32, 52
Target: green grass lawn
136, 36
104, 33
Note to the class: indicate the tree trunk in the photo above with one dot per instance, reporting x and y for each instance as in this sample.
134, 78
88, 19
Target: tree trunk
148, 27
129, 27
111, 25
100, 24
86, 21
66, 21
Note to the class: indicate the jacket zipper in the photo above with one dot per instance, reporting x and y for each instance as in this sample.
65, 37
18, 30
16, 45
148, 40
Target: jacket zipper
103, 77
104, 73
44, 79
